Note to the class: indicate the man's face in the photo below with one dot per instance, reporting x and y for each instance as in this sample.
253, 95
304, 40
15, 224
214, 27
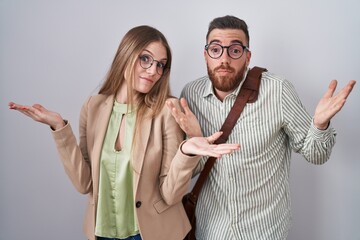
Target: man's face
225, 72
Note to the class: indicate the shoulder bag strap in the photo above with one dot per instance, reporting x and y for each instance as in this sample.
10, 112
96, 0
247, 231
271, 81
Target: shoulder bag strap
248, 93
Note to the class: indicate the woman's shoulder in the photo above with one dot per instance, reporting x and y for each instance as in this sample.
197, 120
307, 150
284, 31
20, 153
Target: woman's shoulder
98, 99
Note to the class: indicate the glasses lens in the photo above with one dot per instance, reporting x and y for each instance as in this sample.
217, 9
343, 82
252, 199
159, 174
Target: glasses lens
214, 50
160, 68
146, 61
235, 51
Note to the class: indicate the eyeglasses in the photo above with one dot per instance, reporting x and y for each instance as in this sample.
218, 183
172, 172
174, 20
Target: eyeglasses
146, 61
235, 51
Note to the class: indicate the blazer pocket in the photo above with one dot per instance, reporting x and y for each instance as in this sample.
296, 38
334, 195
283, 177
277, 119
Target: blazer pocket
160, 206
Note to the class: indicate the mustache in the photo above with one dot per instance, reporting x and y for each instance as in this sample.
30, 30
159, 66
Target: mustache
223, 67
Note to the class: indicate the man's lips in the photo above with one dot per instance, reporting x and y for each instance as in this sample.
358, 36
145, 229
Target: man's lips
224, 70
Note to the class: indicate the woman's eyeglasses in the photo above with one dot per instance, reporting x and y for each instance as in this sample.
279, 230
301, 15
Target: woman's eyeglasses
146, 61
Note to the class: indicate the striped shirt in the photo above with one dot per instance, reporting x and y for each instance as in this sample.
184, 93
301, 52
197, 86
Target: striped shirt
246, 195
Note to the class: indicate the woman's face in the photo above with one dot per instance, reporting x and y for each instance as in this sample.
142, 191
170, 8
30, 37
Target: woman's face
149, 67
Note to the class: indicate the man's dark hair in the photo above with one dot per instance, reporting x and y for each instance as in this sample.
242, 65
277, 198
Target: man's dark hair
229, 22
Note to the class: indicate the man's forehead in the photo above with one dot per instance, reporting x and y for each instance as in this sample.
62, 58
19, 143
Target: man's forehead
228, 35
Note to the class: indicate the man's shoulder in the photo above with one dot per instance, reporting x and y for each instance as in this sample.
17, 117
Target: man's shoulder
272, 77
271, 80
274, 82
197, 85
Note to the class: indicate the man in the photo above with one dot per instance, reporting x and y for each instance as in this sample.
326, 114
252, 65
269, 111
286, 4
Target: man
246, 195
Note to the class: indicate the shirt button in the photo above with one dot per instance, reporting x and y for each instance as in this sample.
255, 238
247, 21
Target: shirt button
138, 204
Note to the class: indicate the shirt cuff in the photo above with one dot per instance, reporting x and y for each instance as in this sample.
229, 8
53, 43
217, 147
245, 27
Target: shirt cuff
324, 134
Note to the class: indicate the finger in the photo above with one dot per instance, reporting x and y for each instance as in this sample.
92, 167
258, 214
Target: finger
174, 111
178, 115
345, 92
227, 146
339, 99
331, 89
38, 106
209, 153
38, 109
30, 112
216, 152
27, 113
169, 104
12, 105
352, 83
18, 107
223, 151
185, 106
183, 122
213, 137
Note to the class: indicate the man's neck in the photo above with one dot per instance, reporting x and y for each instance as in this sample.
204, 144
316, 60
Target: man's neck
221, 95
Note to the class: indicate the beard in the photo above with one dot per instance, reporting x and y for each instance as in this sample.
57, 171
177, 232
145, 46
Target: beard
226, 83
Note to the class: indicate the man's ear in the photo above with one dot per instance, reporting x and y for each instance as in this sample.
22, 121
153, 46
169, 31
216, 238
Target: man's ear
205, 53
248, 57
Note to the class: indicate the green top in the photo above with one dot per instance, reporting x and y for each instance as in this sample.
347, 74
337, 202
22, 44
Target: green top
115, 217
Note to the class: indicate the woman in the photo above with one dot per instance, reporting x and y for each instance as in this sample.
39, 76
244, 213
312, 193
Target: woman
131, 160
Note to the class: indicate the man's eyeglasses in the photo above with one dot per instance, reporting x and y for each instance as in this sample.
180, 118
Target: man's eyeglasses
146, 61
235, 51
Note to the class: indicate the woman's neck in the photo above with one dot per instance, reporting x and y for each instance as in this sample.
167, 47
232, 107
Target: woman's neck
121, 96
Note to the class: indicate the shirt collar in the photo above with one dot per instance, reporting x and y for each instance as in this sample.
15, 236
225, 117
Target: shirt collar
209, 90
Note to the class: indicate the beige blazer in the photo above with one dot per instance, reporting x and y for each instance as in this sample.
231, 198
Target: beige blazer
162, 174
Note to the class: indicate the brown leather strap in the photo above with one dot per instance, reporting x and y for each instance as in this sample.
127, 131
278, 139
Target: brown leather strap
248, 93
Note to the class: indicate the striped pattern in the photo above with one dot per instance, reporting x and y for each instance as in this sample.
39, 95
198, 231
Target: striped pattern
247, 193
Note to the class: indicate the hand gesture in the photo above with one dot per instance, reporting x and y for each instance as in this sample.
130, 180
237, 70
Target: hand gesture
203, 146
330, 105
186, 120
40, 114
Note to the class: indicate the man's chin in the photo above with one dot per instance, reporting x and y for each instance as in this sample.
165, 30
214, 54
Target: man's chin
225, 84
224, 89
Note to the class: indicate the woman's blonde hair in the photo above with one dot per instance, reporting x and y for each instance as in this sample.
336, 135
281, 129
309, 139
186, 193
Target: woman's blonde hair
122, 69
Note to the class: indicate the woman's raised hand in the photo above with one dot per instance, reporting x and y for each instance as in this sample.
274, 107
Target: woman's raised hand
186, 119
40, 114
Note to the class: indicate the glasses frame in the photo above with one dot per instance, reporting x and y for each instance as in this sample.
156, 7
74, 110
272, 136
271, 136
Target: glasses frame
162, 70
227, 49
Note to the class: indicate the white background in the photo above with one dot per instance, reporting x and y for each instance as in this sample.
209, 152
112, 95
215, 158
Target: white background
57, 53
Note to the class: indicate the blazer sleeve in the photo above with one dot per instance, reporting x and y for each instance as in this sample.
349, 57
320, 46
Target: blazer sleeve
177, 168
74, 157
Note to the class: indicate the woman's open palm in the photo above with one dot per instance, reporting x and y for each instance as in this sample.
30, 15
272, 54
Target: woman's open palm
40, 114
